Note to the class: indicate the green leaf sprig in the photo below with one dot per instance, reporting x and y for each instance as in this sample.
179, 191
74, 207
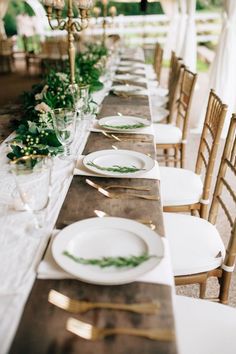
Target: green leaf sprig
116, 168
127, 126
119, 262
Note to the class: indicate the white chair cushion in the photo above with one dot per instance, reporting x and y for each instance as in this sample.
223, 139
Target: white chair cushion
158, 113
158, 101
180, 186
161, 91
204, 327
167, 134
194, 244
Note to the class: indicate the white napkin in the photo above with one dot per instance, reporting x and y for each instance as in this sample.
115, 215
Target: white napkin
81, 170
95, 127
162, 274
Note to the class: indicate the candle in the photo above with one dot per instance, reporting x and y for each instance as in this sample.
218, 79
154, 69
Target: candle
84, 4
113, 11
59, 4
48, 3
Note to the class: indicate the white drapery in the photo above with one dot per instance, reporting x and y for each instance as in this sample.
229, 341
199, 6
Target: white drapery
223, 70
3, 9
189, 48
181, 26
170, 8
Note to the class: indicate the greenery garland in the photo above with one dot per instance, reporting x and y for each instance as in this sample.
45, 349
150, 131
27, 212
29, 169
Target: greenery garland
35, 134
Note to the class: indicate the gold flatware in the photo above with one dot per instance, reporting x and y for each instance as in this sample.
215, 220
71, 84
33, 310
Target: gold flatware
90, 332
75, 306
110, 136
120, 195
138, 188
125, 137
148, 222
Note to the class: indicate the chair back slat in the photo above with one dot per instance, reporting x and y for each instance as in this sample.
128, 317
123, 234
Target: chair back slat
224, 196
176, 78
214, 121
222, 183
185, 98
6, 47
158, 58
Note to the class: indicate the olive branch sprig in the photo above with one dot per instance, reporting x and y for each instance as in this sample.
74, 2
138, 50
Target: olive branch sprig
127, 126
119, 262
116, 168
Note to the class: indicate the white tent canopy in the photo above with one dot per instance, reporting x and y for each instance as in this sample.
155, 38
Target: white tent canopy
189, 48
223, 70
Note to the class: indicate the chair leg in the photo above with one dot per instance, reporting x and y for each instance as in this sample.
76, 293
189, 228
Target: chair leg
176, 157
182, 155
203, 286
166, 155
224, 287
203, 211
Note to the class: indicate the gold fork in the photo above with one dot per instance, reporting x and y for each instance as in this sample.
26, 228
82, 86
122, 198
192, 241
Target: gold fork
75, 306
120, 195
138, 188
88, 331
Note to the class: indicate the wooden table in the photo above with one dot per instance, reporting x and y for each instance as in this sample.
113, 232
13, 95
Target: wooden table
42, 327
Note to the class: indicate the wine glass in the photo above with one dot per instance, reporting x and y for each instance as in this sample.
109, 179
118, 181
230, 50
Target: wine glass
64, 123
32, 175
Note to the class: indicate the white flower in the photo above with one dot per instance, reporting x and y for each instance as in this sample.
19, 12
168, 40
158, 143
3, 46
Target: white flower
62, 76
42, 107
39, 96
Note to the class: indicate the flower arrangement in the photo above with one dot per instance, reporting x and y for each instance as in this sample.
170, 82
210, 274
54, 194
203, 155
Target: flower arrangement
35, 134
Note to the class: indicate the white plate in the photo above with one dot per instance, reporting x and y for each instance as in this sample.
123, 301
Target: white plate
130, 69
114, 122
127, 77
126, 88
107, 237
131, 64
124, 158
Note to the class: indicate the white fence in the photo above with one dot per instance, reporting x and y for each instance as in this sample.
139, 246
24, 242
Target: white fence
148, 29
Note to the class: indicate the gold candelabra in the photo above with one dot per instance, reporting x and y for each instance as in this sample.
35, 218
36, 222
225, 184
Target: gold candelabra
112, 11
70, 24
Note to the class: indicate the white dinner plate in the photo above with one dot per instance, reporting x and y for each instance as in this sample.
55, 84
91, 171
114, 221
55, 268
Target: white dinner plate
123, 123
130, 69
126, 88
127, 77
100, 161
131, 63
96, 238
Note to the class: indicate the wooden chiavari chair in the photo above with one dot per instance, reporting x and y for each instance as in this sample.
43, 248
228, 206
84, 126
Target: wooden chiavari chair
187, 191
6, 55
167, 97
158, 58
54, 54
174, 136
204, 327
197, 249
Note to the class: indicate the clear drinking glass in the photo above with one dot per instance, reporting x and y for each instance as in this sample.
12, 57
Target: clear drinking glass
32, 175
64, 122
81, 98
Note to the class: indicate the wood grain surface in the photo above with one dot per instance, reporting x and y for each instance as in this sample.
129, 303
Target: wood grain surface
42, 327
